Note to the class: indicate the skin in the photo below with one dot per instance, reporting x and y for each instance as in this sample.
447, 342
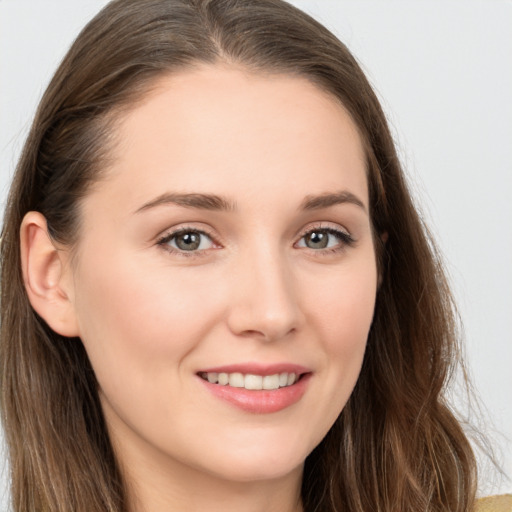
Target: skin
151, 316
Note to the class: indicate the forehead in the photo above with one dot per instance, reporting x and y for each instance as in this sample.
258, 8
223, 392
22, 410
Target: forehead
227, 130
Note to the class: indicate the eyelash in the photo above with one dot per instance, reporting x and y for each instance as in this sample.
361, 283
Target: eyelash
164, 240
346, 240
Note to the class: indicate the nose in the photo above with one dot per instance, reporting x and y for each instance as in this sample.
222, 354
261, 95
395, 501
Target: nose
264, 301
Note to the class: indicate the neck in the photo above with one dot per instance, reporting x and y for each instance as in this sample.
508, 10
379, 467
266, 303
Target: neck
152, 490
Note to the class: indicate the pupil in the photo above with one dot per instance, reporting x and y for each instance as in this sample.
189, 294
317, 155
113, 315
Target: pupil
317, 240
188, 241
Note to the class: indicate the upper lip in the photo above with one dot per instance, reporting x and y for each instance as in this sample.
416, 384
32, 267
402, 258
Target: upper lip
258, 369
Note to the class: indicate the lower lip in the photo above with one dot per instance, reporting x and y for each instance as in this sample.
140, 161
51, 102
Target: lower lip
260, 401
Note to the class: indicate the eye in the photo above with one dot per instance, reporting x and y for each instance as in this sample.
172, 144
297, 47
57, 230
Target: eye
325, 238
187, 240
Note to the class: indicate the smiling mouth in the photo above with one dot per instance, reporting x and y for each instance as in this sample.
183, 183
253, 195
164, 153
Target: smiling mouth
251, 381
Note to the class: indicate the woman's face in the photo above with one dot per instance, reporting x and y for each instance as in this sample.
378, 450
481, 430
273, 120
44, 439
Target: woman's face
229, 241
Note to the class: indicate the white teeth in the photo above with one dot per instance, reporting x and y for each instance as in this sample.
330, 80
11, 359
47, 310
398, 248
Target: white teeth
253, 382
250, 381
271, 382
236, 380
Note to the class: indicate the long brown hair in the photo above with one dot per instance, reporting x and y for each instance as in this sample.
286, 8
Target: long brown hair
396, 445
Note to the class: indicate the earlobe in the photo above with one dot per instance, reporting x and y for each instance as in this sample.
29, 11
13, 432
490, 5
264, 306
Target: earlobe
46, 276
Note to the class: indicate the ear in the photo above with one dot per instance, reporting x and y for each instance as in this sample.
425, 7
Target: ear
47, 275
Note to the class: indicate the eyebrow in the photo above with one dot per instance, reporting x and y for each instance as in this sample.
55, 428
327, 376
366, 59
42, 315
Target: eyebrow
214, 202
330, 199
199, 201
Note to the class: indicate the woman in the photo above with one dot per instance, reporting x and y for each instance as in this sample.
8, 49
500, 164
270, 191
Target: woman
226, 297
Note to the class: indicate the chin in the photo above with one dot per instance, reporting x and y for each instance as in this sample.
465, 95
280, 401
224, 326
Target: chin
259, 463
247, 472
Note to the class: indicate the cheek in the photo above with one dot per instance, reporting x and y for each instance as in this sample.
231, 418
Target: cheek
139, 317
342, 314
344, 304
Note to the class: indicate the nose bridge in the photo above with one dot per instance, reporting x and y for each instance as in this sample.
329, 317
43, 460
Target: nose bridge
264, 301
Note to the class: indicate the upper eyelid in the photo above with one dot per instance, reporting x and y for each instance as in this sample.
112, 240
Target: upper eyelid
323, 225
163, 242
343, 234
172, 232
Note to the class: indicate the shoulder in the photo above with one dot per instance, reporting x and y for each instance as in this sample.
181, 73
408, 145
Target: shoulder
501, 503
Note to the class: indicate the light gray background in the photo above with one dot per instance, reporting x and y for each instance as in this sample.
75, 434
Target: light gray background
443, 70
